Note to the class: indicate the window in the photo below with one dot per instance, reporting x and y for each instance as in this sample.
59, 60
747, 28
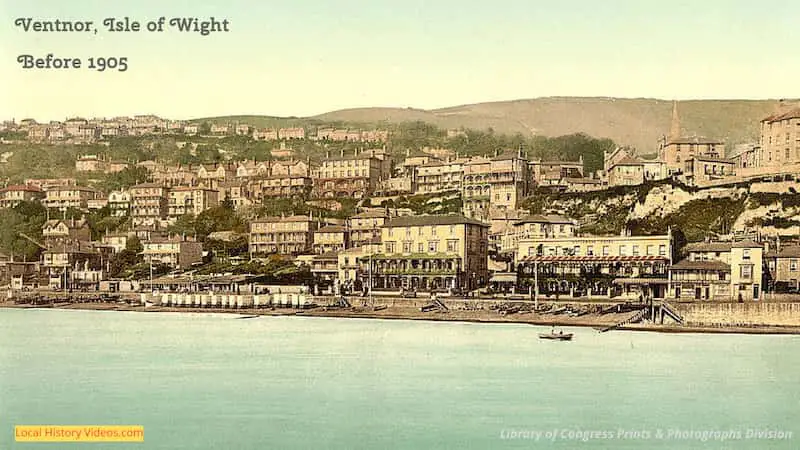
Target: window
635, 250
452, 229
577, 250
451, 245
746, 272
407, 247
408, 231
561, 228
420, 248
746, 254
623, 250
433, 230
530, 251
590, 250
390, 247
605, 250
662, 250
433, 246
793, 264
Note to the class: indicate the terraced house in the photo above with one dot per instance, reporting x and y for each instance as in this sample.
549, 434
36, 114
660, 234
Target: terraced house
63, 197
354, 176
11, 196
149, 203
191, 200
500, 182
365, 228
719, 271
599, 266
290, 235
430, 253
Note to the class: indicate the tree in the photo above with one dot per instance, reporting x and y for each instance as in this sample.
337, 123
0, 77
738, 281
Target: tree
133, 244
122, 262
127, 177
205, 128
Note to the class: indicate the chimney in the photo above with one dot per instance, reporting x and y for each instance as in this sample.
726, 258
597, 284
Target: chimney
342, 152
327, 154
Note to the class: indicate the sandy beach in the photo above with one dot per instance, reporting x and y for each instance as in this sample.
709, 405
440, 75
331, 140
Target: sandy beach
597, 321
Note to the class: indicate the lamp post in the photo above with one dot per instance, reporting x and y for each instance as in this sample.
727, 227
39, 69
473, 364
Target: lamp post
535, 284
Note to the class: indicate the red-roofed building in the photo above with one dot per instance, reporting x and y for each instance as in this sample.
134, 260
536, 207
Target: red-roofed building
11, 196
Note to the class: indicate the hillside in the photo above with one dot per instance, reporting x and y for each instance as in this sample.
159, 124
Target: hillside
769, 209
636, 122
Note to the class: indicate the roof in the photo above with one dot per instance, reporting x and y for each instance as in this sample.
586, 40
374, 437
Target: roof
370, 215
21, 187
686, 264
506, 155
295, 218
70, 223
629, 161
329, 256
70, 188
332, 229
539, 218
582, 180
792, 251
191, 188
791, 114
416, 221
349, 157
694, 140
746, 244
147, 185
712, 159
708, 247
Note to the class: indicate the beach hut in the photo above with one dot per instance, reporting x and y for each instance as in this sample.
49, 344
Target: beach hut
214, 301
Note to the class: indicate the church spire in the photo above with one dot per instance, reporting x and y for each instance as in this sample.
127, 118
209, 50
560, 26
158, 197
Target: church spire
675, 126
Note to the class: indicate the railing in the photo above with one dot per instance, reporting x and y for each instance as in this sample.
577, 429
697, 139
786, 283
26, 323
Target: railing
416, 272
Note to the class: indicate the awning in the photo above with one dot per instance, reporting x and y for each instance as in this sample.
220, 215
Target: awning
594, 259
503, 278
640, 281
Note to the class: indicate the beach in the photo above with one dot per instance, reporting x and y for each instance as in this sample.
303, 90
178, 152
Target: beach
480, 311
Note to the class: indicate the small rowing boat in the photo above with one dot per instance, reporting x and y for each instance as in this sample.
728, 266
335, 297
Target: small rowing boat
560, 336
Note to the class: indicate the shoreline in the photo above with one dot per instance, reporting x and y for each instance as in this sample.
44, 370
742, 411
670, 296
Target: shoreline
465, 316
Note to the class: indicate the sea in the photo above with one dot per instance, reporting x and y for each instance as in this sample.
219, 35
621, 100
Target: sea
220, 381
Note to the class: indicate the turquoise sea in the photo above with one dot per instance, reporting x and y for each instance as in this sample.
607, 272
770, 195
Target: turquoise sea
212, 381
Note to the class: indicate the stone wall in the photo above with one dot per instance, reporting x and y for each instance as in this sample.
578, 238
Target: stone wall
731, 314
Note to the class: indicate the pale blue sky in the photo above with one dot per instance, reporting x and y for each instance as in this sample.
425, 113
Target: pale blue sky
306, 57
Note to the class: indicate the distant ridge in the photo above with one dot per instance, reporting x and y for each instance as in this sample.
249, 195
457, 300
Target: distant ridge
638, 122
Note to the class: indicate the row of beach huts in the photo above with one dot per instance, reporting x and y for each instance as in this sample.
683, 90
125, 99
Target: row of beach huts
229, 301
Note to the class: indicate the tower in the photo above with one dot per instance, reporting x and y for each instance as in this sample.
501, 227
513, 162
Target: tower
675, 126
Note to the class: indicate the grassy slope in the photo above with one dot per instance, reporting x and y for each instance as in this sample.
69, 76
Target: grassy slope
637, 122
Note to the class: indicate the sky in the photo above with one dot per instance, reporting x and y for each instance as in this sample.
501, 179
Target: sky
304, 57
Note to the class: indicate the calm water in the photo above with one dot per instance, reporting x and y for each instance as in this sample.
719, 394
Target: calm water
205, 381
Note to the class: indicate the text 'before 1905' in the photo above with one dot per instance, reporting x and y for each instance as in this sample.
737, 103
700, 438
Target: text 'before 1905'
50, 61
203, 27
